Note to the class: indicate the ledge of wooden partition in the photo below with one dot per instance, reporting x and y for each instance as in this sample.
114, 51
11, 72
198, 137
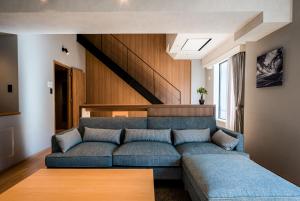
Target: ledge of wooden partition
159, 110
9, 113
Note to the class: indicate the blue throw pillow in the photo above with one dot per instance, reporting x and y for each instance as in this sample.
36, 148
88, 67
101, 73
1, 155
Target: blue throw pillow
134, 135
68, 139
191, 135
102, 135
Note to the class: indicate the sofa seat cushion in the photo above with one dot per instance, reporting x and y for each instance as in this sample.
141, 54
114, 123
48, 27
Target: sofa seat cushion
234, 177
146, 154
195, 148
86, 154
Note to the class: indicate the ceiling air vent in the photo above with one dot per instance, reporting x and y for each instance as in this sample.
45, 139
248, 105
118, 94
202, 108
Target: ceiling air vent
195, 44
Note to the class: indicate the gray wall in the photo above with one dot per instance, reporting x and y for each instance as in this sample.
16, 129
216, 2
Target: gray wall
272, 121
9, 102
30, 132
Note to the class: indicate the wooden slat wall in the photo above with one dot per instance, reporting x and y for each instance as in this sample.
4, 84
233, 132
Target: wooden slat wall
152, 49
104, 87
78, 93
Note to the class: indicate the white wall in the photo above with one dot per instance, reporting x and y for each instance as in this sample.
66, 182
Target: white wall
197, 80
209, 82
272, 123
35, 126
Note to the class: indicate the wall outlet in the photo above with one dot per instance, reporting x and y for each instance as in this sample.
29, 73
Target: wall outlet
9, 88
50, 84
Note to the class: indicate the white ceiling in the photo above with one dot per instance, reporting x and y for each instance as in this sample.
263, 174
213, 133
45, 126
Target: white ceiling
216, 19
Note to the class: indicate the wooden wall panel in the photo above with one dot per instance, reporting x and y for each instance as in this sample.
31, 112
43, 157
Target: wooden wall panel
152, 49
78, 93
158, 110
105, 87
182, 111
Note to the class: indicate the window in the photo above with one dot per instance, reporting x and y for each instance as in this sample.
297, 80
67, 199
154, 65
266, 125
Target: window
223, 90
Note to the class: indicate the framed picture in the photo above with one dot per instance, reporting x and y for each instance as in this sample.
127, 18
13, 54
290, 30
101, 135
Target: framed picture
269, 70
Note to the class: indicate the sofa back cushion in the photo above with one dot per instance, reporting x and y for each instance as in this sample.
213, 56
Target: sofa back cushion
112, 123
151, 135
191, 135
102, 135
178, 123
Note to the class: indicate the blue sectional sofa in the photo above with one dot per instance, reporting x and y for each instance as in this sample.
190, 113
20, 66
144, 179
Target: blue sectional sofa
209, 172
164, 158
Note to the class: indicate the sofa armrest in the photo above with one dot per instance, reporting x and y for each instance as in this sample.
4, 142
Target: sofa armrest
240, 136
54, 144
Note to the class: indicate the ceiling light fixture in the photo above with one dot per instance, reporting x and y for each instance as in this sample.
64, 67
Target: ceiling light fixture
204, 44
123, 2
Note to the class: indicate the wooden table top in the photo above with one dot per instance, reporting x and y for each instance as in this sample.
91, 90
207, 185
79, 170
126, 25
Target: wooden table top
84, 185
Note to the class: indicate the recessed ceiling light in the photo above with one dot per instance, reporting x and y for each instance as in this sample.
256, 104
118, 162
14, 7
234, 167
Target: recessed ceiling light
123, 1
44, 1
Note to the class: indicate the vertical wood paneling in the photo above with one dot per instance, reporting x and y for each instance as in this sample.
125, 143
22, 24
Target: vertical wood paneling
152, 49
78, 93
105, 87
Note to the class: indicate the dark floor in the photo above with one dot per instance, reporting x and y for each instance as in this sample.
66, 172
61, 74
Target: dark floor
170, 191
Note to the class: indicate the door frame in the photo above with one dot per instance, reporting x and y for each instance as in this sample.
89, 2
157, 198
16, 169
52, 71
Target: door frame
69, 95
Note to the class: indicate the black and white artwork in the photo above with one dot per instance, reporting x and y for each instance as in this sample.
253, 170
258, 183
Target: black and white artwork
270, 69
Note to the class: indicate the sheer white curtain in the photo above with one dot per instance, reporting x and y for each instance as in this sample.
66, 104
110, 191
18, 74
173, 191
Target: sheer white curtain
230, 96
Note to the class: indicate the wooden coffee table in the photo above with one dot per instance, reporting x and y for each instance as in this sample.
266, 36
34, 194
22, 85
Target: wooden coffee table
84, 185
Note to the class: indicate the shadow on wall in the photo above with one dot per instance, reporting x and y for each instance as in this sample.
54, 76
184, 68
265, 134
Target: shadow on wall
9, 101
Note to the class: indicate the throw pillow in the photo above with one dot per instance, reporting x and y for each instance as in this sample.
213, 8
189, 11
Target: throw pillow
191, 135
68, 139
224, 140
133, 135
102, 135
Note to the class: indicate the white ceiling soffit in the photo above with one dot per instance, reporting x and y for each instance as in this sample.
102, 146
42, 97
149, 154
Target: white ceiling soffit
190, 46
267, 21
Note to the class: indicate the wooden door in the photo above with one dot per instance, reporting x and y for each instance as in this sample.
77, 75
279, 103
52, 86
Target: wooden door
78, 93
62, 97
